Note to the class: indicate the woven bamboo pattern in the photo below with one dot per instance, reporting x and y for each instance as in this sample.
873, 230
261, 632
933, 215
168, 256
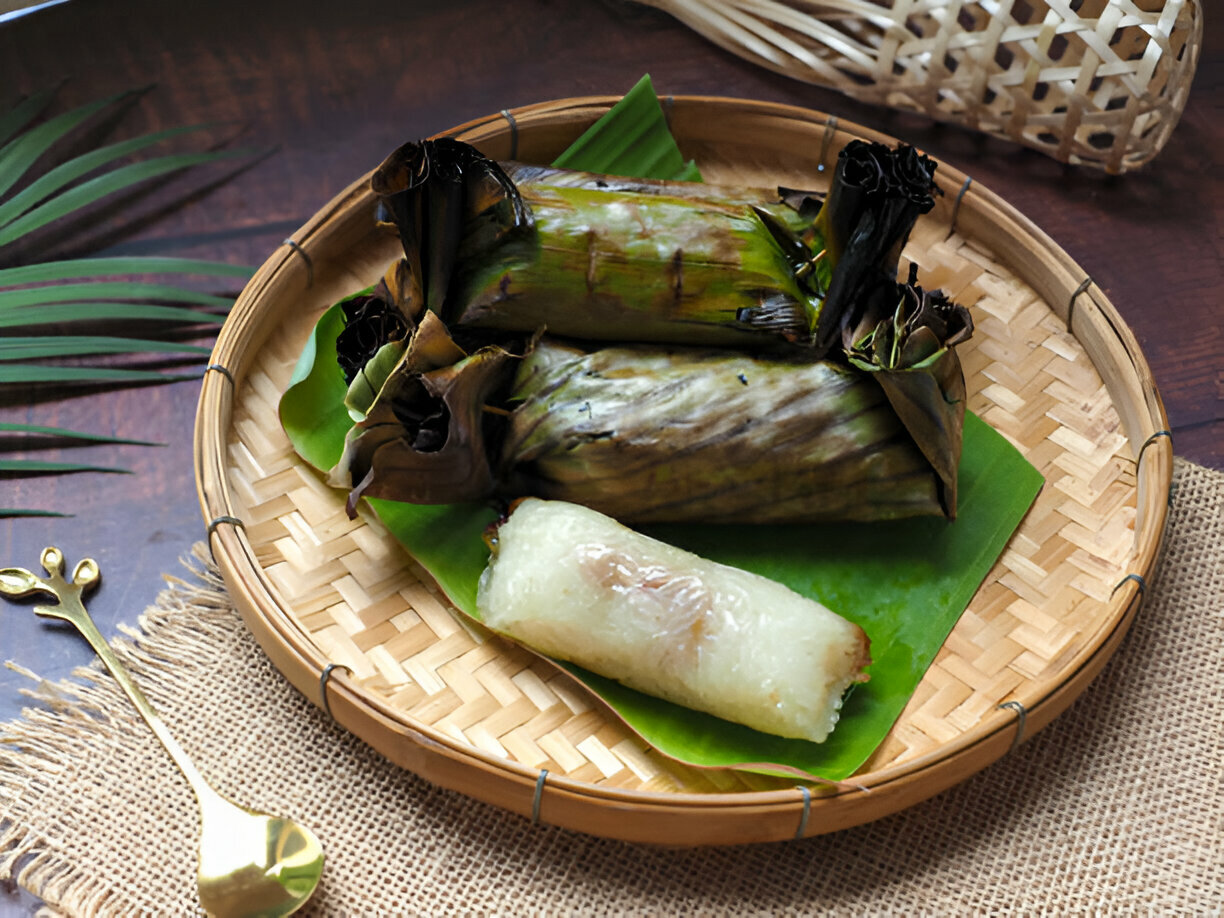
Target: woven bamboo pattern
1100, 82
468, 710
368, 606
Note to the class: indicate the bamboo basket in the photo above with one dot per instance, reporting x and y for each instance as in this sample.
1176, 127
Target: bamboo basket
357, 626
1099, 83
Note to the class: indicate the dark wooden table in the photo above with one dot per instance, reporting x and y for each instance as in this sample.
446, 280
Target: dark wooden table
327, 89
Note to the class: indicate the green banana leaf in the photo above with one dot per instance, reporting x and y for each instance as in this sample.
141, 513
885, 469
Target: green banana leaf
632, 139
906, 583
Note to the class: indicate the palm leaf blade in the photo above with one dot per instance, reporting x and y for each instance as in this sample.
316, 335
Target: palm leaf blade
23, 113
94, 189
65, 173
21, 153
45, 431
103, 312
28, 466
24, 374
107, 290
40, 346
116, 266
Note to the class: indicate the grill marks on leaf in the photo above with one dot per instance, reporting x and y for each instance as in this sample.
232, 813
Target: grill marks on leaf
675, 274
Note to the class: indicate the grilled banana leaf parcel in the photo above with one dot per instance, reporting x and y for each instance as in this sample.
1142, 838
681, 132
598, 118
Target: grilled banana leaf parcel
595, 257
652, 434
591, 257
647, 433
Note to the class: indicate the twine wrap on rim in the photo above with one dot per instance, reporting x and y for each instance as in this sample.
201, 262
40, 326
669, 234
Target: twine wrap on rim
324, 703
1100, 83
1021, 722
296, 247
219, 368
956, 204
1075, 295
538, 797
807, 812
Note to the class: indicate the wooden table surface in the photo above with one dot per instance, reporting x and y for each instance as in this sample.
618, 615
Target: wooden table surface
327, 89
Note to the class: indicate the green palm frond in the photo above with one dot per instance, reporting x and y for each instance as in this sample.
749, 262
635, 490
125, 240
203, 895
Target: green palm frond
116, 307
118, 266
26, 466
99, 312
34, 347
41, 430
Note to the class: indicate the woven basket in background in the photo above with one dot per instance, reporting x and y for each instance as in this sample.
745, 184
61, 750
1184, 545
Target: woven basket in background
1093, 82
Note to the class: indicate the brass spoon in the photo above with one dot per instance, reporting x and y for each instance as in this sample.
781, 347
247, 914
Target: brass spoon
251, 864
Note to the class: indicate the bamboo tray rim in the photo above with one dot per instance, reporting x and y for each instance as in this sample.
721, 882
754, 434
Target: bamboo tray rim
307, 667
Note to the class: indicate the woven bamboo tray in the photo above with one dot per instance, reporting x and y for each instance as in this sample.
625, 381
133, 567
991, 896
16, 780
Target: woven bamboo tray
356, 625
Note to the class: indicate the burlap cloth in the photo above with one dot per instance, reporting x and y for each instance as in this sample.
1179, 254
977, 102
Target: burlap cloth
1115, 808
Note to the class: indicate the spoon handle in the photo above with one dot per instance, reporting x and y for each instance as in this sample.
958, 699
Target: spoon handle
251, 864
71, 609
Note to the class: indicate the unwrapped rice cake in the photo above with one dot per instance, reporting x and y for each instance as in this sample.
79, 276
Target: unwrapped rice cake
576, 585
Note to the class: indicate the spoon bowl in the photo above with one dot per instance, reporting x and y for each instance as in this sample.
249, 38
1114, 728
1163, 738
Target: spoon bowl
252, 864
242, 850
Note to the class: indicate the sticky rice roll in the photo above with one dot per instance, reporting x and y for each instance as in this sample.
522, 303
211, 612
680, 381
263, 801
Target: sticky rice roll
576, 585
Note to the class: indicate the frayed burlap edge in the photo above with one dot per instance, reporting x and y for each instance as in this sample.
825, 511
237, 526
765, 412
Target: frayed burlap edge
1114, 808
75, 712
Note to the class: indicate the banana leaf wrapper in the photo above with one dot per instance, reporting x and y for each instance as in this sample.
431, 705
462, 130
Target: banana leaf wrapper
875, 198
594, 257
906, 341
424, 433
648, 434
